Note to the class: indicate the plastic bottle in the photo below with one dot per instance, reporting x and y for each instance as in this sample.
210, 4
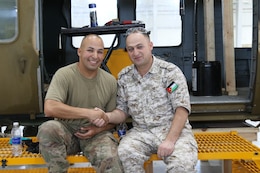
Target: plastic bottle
121, 130
258, 135
16, 139
93, 15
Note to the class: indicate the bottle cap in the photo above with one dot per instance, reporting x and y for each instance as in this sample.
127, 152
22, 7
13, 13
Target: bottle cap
15, 123
92, 5
121, 132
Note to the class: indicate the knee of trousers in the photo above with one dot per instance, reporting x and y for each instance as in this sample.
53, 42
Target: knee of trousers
127, 152
48, 128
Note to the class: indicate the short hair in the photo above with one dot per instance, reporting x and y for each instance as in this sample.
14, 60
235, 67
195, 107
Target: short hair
88, 35
141, 30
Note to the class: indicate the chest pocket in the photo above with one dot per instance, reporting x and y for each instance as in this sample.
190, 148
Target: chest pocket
134, 102
157, 99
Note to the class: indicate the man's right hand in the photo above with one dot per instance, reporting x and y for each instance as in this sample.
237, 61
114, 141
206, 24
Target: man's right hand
99, 122
99, 118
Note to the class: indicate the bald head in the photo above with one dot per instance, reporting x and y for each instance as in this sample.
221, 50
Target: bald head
91, 38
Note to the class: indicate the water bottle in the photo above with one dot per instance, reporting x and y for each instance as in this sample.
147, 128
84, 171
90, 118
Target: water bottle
121, 130
93, 15
16, 139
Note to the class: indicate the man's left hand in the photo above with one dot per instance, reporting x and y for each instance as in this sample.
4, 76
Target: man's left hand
86, 132
165, 149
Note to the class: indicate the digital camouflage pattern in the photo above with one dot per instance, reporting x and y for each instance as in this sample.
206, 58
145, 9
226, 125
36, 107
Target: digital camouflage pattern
146, 99
137, 146
152, 109
56, 141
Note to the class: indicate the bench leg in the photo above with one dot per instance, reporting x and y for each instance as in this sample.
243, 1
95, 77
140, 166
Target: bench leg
227, 166
148, 166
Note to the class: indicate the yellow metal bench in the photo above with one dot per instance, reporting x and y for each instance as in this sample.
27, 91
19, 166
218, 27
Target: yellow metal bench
28, 158
228, 146
237, 153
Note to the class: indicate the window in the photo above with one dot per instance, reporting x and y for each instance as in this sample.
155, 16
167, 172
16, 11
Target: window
162, 18
8, 21
243, 22
106, 11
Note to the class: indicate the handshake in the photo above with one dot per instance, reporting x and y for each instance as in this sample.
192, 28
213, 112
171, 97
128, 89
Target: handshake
98, 117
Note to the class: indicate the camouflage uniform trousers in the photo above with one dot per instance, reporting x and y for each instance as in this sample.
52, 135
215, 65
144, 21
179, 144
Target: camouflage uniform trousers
56, 142
138, 144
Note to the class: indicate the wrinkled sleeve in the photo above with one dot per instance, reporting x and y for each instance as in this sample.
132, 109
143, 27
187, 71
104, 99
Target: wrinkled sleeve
180, 97
58, 88
121, 96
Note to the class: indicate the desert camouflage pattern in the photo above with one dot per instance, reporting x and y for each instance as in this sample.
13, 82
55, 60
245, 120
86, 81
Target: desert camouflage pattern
137, 146
152, 109
145, 98
57, 141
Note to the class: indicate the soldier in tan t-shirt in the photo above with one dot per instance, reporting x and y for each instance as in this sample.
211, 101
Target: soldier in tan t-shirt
78, 94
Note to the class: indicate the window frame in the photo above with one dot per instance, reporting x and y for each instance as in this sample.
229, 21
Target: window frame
15, 29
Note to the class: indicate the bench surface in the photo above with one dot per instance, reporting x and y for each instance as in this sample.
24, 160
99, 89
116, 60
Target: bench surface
211, 146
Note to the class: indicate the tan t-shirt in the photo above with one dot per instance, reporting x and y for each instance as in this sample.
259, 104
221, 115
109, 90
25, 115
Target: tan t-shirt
70, 87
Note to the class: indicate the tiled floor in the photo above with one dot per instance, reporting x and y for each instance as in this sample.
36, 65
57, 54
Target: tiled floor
212, 166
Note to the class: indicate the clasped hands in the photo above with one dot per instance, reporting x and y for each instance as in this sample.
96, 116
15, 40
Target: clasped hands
99, 118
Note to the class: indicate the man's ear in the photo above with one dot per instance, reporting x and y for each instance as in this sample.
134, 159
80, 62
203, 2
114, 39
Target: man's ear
151, 45
78, 51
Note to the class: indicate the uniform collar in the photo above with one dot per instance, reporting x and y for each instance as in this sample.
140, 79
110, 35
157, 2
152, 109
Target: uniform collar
154, 68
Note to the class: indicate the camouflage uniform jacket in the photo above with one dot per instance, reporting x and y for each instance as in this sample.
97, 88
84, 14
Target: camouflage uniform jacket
145, 98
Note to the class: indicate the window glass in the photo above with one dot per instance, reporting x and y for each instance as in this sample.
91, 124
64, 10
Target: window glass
162, 18
243, 21
8, 20
106, 11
